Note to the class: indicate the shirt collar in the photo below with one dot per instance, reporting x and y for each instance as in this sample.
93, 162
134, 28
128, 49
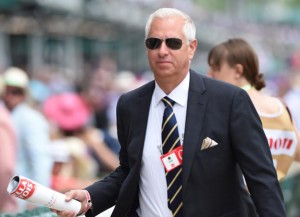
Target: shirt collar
179, 94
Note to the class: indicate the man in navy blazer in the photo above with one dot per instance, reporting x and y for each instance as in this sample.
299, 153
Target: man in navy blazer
222, 136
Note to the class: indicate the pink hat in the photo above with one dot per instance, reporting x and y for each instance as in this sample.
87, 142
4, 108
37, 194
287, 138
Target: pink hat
67, 110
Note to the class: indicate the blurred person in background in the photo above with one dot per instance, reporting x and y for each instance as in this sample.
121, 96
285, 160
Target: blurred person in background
33, 137
98, 90
235, 61
73, 166
292, 97
8, 150
124, 81
81, 145
209, 181
99, 100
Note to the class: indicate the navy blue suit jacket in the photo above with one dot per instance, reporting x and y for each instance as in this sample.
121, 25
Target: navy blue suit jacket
212, 180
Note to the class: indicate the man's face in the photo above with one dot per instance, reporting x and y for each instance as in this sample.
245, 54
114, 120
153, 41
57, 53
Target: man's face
12, 96
164, 61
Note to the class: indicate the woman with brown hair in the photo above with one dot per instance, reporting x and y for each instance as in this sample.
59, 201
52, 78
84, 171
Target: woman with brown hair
235, 61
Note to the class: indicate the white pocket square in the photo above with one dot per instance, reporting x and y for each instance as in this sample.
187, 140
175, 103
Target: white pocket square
207, 143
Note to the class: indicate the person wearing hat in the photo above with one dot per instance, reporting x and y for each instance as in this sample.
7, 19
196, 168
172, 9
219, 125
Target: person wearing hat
7, 157
33, 138
70, 116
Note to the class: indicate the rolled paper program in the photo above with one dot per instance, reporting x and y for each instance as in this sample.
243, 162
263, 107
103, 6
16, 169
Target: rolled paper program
31, 191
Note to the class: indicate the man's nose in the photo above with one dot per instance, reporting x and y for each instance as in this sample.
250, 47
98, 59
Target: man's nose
163, 48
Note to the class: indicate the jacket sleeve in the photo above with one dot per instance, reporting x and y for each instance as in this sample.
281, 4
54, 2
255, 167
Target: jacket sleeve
254, 157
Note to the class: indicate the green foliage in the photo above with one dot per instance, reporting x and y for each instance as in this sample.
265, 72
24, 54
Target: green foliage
37, 212
222, 5
213, 5
7, 4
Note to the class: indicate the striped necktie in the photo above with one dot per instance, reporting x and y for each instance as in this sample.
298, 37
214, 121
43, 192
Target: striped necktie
170, 141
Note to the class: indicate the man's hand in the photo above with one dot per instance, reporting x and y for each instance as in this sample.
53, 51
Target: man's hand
79, 195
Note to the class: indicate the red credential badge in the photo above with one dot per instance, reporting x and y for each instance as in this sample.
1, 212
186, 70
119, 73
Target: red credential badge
172, 159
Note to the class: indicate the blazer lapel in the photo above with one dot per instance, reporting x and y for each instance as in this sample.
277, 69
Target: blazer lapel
197, 100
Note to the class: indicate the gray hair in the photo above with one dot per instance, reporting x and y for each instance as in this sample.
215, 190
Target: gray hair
189, 28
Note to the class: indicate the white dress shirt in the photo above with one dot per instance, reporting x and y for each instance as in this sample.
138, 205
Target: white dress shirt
153, 185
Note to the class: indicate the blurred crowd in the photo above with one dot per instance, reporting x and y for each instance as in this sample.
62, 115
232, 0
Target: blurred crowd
57, 132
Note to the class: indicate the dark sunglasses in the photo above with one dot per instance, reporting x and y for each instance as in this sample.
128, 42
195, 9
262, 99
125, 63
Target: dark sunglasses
172, 43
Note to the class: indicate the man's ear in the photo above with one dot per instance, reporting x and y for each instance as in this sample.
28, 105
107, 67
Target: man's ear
192, 49
239, 70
